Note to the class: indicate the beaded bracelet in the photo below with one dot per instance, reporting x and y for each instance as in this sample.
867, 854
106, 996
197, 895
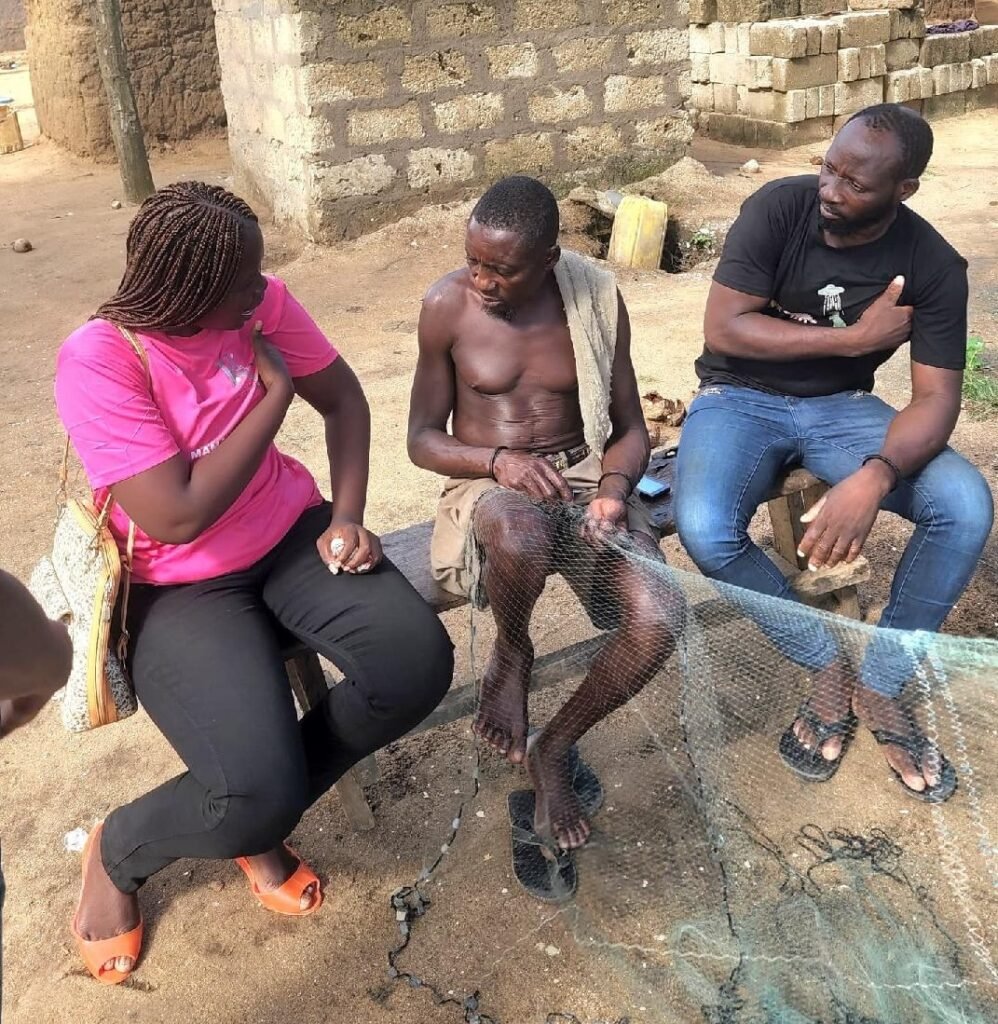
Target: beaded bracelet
898, 475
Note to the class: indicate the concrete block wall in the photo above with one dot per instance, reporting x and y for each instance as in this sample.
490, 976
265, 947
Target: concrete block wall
346, 115
786, 81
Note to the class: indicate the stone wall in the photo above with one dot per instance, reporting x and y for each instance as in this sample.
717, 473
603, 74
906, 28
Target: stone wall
173, 60
790, 80
11, 25
343, 115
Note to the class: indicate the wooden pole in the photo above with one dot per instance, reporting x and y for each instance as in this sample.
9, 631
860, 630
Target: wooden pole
126, 128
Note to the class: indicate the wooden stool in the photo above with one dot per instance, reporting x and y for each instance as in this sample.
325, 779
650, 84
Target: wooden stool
832, 590
308, 683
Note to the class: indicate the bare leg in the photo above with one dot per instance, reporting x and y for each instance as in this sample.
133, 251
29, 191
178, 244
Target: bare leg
518, 540
651, 620
830, 700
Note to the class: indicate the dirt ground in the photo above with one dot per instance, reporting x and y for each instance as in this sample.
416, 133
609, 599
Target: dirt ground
211, 953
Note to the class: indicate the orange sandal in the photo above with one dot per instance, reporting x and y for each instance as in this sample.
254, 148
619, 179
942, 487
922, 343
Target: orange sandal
97, 952
286, 899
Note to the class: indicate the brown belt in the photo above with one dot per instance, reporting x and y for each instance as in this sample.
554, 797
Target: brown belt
568, 458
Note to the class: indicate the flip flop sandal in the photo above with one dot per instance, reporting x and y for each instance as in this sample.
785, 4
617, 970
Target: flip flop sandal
97, 952
286, 899
812, 765
918, 746
548, 874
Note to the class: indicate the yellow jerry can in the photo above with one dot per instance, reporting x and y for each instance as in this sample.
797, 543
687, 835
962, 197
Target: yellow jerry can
638, 233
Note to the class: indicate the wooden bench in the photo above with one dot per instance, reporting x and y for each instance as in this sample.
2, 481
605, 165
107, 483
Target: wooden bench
409, 548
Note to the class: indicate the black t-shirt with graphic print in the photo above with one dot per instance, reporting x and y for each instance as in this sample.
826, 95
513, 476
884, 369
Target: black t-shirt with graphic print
775, 250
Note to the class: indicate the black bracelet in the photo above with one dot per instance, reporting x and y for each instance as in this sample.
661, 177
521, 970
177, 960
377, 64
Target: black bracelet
492, 461
898, 475
616, 472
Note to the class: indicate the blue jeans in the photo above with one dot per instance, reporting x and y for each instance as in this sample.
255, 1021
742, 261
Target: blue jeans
737, 441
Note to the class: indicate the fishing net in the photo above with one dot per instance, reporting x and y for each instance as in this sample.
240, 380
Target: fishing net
717, 885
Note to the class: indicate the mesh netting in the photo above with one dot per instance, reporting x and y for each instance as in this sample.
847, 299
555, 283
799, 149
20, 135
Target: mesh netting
716, 884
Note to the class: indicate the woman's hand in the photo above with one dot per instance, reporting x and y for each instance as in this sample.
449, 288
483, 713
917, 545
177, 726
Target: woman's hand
349, 547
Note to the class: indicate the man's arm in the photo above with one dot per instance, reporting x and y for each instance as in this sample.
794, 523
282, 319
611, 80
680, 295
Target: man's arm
430, 406
35, 655
336, 394
734, 325
626, 455
841, 521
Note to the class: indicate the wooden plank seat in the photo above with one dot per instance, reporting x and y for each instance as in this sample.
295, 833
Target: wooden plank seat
409, 548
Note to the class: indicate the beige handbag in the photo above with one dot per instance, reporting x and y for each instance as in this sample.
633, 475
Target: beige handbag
80, 583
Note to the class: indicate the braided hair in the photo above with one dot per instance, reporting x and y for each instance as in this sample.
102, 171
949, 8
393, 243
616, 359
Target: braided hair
183, 252
912, 131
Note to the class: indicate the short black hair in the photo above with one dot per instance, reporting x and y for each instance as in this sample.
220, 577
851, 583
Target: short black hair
522, 205
911, 130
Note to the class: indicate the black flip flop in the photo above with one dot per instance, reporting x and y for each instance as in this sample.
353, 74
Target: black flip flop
918, 746
811, 765
547, 873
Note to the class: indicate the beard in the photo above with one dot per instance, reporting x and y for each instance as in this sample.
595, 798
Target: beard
853, 225
500, 312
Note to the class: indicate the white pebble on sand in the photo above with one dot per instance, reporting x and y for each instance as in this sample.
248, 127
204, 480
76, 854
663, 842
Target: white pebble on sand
75, 841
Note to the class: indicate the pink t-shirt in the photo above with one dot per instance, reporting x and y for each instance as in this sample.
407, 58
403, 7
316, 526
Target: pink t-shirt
202, 387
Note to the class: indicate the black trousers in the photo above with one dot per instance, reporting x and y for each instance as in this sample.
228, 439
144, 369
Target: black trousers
206, 662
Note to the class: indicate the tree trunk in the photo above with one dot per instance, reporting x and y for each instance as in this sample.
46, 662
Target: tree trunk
126, 128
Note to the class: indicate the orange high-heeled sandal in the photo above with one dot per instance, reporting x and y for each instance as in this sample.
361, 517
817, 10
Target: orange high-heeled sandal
286, 899
97, 952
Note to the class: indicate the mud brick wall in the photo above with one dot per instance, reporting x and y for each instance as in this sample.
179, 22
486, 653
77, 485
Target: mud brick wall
12, 19
767, 80
349, 114
173, 61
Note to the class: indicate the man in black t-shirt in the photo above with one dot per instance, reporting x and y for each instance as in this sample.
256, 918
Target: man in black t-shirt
821, 281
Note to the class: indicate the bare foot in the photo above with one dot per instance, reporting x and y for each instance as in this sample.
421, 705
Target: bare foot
271, 870
882, 713
558, 813
104, 911
501, 720
830, 701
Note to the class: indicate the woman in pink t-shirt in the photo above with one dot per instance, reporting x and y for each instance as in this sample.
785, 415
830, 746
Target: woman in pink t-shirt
235, 549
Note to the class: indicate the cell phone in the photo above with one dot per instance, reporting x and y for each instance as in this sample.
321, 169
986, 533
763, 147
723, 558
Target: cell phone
649, 487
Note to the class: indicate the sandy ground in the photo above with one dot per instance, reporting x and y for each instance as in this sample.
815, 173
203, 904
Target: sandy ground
211, 953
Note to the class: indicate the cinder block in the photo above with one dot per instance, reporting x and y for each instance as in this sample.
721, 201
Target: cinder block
787, 107
703, 12
953, 104
521, 154
902, 53
864, 28
984, 41
378, 126
901, 86
820, 101
661, 46
468, 113
981, 99
853, 96
329, 82
829, 36
942, 49
818, 8
788, 8
848, 60
516, 60
991, 63
700, 67
431, 72
707, 38
872, 61
979, 73
926, 83
747, 131
365, 176
556, 104
665, 134
623, 92
702, 96
634, 12
743, 10
726, 99
778, 39
584, 54
805, 72
437, 168
907, 24
544, 15
461, 20
881, 5
590, 143
382, 25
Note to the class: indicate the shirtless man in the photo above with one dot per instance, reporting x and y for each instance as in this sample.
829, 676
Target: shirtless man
496, 352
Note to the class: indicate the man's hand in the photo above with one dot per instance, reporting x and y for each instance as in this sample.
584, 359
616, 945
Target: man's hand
530, 475
841, 520
604, 516
349, 547
884, 324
